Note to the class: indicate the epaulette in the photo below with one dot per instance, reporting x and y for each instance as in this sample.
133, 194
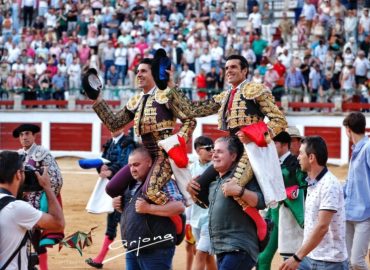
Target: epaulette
133, 102
161, 96
220, 97
252, 90
40, 153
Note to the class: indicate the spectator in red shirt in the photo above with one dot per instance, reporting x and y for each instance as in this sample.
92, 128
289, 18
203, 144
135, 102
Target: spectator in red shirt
201, 83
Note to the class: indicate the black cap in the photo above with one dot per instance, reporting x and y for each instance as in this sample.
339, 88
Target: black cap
283, 137
161, 63
25, 127
91, 84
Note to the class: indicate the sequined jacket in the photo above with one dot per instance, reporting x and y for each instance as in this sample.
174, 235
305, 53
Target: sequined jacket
38, 156
159, 113
251, 103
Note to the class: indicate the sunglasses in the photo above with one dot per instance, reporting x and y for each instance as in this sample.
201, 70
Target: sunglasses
208, 148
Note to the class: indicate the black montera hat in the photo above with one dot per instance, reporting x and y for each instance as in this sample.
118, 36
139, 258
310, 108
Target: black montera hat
91, 84
283, 137
25, 127
161, 63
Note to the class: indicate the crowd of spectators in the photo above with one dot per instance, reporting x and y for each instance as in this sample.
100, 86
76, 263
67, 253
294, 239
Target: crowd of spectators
323, 51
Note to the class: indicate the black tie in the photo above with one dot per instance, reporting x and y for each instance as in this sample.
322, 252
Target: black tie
145, 98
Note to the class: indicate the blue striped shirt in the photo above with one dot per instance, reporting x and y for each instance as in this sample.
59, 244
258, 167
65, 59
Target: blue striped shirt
357, 187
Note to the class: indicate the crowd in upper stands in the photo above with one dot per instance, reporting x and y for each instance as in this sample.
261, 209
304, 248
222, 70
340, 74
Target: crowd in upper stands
322, 50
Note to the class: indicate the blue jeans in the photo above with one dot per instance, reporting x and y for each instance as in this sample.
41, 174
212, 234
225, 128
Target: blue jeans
235, 261
122, 71
153, 259
107, 65
310, 264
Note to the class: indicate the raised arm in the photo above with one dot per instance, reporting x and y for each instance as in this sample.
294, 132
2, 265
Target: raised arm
184, 108
113, 121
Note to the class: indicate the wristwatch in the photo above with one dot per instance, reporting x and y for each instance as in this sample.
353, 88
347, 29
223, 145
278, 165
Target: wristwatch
296, 258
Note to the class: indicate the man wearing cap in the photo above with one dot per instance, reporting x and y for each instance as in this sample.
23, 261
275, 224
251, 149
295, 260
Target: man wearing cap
288, 217
295, 142
38, 156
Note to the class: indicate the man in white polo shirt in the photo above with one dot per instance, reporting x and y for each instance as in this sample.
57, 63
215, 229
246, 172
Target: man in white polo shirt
324, 246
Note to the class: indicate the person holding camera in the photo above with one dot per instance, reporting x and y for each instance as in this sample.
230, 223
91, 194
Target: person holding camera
17, 217
36, 157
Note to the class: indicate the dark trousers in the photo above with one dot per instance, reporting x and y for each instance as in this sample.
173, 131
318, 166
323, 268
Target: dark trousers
113, 219
107, 65
235, 261
314, 95
27, 14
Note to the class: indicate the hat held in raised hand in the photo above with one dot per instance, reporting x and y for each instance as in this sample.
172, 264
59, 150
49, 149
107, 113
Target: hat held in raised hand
161, 63
91, 84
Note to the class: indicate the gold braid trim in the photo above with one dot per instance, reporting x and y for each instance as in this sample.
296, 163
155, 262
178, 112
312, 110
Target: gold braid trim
252, 90
268, 107
220, 97
133, 102
187, 128
161, 96
113, 121
159, 176
181, 107
244, 174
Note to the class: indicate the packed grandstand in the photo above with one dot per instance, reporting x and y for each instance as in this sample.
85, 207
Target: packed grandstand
307, 50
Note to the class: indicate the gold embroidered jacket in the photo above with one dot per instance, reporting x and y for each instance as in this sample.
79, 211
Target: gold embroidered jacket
251, 103
158, 112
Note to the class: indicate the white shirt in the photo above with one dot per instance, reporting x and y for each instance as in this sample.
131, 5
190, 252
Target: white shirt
126, 26
205, 62
19, 69
199, 216
189, 56
326, 194
74, 71
116, 139
14, 53
40, 68
365, 22
29, 3
186, 79
51, 20
349, 82
361, 66
255, 18
15, 219
121, 56
216, 53
286, 60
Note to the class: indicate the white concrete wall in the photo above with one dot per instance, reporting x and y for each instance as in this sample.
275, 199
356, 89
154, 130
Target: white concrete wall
47, 117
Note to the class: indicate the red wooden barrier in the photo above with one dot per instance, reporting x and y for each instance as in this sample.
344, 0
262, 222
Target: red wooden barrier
331, 135
70, 137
